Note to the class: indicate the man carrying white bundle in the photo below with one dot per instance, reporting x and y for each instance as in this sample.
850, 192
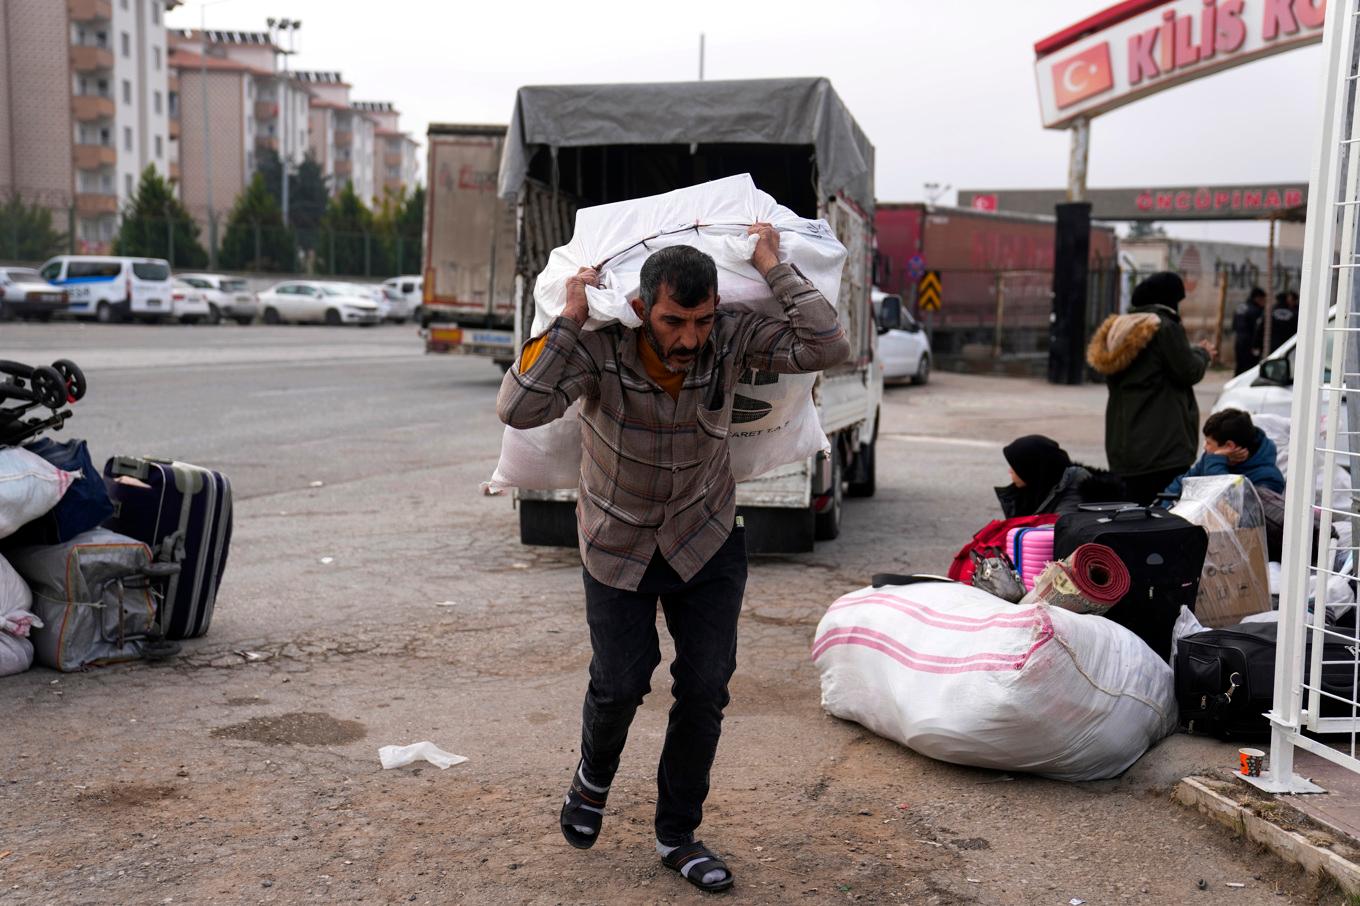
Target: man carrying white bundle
657, 509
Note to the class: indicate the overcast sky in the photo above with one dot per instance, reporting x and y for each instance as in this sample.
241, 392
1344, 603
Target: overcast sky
945, 91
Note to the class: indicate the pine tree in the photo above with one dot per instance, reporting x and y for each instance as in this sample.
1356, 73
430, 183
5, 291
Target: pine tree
346, 242
256, 238
411, 227
26, 232
155, 225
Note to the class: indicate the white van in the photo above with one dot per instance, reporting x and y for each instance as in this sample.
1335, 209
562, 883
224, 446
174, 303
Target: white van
404, 295
112, 288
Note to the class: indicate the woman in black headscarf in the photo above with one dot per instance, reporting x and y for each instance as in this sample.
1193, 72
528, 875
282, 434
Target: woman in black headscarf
1045, 480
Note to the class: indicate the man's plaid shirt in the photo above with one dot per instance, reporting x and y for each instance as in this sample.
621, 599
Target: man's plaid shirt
655, 473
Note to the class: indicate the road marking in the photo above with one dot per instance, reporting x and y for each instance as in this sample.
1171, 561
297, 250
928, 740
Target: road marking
945, 441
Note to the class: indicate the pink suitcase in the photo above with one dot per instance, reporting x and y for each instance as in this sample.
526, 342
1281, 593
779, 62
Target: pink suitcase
1030, 549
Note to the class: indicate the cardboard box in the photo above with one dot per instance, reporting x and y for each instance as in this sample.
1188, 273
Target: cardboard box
1234, 583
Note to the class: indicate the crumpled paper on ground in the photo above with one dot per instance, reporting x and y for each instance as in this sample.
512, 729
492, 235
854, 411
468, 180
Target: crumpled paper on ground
400, 756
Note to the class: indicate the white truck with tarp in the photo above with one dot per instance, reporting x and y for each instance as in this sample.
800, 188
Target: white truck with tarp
570, 147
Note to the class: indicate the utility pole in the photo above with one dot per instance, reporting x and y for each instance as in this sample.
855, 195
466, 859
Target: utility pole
207, 131
701, 56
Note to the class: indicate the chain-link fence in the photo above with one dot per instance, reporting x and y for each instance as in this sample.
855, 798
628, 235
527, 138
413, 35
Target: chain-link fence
31, 235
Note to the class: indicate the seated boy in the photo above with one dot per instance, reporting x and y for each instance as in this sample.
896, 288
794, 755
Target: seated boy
1235, 446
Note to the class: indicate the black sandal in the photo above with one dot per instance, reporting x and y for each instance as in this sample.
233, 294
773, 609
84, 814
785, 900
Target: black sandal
582, 807
693, 861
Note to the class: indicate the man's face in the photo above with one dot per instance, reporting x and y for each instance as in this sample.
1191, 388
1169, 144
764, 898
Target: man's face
677, 333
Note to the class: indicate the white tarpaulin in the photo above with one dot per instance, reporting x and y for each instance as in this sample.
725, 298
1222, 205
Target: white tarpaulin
775, 421
959, 675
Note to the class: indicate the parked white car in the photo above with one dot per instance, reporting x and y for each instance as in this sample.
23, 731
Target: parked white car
24, 294
903, 344
406, 295
228, 297
189, 305
315, 301
1268, 386
375, 292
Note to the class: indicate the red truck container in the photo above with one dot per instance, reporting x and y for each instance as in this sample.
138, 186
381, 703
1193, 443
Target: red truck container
996, 272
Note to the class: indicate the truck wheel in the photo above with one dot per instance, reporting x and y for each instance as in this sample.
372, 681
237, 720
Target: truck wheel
547, 523
827, 521
864, 483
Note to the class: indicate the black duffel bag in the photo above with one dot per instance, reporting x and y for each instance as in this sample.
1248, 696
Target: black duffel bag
1225, 680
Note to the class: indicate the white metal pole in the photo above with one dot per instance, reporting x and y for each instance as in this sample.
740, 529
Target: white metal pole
1315, 290
701, 56
207, 141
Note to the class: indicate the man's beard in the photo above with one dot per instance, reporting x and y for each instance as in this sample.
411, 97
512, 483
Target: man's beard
662, 354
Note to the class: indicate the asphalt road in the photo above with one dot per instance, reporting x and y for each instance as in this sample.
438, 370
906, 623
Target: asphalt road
374, 596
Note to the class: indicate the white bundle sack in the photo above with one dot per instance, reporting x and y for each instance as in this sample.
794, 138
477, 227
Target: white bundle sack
956, 674
30, 487
617, 238
16, 604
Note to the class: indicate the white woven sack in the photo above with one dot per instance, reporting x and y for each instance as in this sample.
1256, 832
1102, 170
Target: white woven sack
617, 238
958, 675
30, 487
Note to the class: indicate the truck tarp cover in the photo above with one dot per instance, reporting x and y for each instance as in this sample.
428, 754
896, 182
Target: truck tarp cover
756, 111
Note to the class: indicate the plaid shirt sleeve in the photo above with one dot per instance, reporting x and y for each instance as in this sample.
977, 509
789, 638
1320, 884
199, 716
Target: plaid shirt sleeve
563, 371
810, 340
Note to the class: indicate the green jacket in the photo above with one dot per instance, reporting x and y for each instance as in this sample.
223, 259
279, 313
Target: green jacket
1151, 418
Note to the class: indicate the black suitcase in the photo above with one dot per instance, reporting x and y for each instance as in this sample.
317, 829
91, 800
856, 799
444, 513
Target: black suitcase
1225, 680
183, 513
1164, 554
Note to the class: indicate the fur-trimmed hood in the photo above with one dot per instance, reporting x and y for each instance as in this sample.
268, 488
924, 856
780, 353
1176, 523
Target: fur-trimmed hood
1120, 339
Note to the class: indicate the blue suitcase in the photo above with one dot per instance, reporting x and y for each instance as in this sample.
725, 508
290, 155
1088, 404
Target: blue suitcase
183, 513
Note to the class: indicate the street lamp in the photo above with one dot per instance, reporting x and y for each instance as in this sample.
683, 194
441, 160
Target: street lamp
285, 97
207, 131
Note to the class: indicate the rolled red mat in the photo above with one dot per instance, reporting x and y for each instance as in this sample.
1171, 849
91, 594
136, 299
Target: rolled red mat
1099, 574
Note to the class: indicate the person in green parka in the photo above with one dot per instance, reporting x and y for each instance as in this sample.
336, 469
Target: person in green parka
1151, 369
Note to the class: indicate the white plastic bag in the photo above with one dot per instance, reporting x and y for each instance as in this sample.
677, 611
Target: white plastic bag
30, 487
399, 756
16, 601
961, 676
617, 238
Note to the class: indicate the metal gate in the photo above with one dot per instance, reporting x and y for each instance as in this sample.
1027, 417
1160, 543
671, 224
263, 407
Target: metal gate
1323, 448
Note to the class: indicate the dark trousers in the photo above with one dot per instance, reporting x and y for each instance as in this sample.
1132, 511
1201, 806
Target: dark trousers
701, 615
1143, 489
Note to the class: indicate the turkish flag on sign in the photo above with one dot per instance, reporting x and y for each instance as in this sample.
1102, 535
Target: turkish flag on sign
1082, 76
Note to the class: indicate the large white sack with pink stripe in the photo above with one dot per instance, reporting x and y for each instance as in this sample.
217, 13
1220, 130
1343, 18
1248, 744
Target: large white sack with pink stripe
956, 674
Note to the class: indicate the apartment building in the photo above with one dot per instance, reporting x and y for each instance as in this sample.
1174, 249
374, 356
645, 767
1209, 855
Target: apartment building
342, 136
233, 104
84, 106
396, 163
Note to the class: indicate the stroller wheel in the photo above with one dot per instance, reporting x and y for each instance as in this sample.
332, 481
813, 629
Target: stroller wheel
49, 387
73, 377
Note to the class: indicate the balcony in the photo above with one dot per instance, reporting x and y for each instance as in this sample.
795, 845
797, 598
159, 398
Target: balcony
90, 204
344, 168
93, 157
174, 170
86, 58
343, 139
266, 110
392, 159
174, 128
90, 107
268, 142
89, 10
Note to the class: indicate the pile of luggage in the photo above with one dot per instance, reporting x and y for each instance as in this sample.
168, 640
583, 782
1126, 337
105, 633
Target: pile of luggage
1067, 646
97, 568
